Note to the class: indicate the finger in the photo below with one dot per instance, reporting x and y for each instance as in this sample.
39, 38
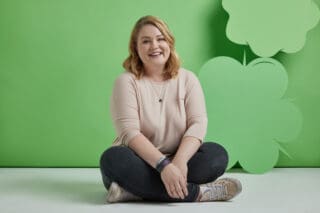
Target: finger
168, 190
185, 190
184, 187
171, 192
179, 191
174, 192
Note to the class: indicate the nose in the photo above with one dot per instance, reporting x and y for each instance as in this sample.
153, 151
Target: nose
154, 43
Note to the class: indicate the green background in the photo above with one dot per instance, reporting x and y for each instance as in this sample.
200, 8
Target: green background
58, 61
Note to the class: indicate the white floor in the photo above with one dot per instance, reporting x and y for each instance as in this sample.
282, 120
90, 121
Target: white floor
81, 190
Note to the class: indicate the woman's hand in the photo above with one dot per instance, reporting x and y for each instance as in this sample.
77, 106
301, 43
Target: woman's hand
182, 165
174, 181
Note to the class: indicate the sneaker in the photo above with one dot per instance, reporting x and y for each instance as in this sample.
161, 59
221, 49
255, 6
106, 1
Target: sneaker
220, 190
117, 194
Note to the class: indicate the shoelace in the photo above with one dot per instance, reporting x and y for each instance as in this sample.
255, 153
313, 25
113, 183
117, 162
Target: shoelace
216, 192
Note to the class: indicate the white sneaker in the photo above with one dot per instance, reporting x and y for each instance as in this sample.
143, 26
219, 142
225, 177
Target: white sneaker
220, 190
117, 194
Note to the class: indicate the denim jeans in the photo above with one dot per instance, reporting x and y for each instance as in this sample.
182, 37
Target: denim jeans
122, 165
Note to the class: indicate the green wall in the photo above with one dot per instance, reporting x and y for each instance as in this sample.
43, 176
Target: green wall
58, 61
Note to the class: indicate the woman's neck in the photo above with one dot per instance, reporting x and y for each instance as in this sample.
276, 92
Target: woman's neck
155, 74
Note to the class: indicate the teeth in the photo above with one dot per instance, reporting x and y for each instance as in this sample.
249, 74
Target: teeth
154, 54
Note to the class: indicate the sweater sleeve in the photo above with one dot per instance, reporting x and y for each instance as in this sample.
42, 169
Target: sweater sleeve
124, 109
195, 109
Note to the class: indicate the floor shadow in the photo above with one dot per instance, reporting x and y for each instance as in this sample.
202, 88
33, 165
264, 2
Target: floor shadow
58, 189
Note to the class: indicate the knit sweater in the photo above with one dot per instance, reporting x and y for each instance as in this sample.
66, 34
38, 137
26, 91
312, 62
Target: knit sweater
136, 108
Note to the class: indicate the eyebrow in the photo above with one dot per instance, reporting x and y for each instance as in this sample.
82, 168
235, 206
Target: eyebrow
143, 37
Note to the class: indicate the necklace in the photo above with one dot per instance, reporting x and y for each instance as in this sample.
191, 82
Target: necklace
160, 94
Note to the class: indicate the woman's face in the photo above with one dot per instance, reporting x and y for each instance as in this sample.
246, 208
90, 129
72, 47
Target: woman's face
152, 47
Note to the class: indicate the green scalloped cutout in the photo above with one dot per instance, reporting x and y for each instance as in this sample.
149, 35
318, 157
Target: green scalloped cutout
247, 112
270, 26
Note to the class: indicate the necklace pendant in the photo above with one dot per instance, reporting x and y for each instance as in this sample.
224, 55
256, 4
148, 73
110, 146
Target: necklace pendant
160, 100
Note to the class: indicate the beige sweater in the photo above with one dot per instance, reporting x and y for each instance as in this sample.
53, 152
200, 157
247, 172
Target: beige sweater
135, 109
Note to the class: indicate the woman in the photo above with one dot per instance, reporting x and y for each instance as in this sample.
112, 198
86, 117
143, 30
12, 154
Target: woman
158, 110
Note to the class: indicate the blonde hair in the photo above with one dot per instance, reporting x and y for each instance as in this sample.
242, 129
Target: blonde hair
133, 62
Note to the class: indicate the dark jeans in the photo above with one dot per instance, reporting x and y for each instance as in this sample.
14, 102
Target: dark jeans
122, 165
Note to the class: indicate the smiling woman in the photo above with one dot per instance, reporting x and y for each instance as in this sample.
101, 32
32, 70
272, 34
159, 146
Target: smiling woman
158, 110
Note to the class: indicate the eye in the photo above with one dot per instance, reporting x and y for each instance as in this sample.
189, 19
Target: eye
145, 41
161, 39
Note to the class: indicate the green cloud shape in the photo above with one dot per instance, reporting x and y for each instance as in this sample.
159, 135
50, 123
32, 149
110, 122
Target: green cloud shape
270, 26
247, 112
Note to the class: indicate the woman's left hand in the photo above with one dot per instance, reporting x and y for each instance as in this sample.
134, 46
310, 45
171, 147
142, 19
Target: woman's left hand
182, 165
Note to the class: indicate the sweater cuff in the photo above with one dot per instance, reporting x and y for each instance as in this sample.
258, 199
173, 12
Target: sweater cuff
197, 131
129, 136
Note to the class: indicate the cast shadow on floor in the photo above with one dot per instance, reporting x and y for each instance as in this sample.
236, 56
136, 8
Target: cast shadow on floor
57, 189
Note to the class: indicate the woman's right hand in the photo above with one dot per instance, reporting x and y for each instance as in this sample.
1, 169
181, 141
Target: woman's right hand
174, 181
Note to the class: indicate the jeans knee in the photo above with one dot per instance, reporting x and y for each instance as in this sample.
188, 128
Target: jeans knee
219, 155
110, 161
113, 155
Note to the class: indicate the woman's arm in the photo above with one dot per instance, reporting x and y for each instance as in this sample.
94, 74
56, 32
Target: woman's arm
196, 123
145, 149
188, 147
